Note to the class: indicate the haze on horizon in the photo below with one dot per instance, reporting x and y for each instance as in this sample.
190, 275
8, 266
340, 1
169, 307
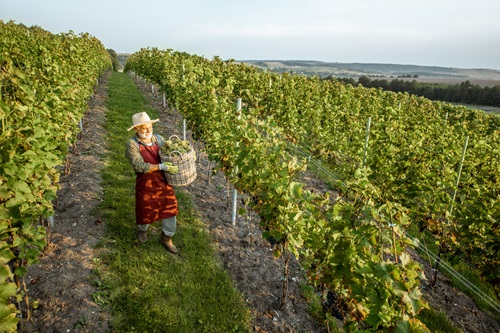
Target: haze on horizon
461, 34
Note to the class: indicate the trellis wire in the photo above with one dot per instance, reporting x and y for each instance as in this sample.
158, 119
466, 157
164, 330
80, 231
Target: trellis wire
316, 163
479, 293
457, 275
475, 290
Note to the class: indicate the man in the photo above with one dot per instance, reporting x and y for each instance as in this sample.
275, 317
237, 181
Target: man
154, 198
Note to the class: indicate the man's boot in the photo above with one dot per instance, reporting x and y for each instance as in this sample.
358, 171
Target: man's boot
142, 236
167, 242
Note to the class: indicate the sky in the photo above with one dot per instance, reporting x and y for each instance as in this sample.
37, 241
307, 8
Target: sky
448, 33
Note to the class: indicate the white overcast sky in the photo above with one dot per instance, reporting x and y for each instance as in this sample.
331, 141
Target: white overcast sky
450, 33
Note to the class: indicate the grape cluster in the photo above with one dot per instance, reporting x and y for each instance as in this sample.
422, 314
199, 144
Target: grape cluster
330, 304
181, 146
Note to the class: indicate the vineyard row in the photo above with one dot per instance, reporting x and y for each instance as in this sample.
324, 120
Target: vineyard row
45, 82
344, 244
415, 145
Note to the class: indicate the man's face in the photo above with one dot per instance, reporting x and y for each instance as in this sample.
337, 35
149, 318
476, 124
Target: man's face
145, 131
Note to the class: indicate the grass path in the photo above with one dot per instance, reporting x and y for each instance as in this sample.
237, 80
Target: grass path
147, 288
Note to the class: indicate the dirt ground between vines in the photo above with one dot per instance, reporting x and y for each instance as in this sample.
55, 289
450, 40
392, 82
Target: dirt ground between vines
62, 283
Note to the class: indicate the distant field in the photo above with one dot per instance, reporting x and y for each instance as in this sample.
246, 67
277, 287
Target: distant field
444, 75
483, 82
431, 74
487, 109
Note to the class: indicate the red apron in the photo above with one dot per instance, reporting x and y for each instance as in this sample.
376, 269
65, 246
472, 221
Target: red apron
154, 198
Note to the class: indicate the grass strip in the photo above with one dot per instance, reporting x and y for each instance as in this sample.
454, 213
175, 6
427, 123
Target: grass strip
437, 321
147, 288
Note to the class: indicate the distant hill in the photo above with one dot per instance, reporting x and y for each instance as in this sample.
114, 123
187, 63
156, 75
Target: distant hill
450, 75
485, 77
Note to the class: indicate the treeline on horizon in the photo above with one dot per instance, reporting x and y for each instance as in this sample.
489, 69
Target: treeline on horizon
464, 93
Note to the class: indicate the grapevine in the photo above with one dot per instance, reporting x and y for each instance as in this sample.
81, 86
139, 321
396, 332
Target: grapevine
344, 246
414, 149
45, 82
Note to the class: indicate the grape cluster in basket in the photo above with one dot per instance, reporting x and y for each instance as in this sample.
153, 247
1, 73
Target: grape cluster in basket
182, 146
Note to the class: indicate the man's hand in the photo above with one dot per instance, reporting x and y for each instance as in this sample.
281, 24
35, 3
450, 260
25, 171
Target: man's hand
164, 166
173, 169
168, 167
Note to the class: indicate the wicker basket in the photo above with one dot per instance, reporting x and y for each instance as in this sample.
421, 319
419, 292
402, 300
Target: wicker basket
187, 167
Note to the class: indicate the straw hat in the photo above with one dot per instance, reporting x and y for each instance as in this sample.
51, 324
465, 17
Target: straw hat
141, 118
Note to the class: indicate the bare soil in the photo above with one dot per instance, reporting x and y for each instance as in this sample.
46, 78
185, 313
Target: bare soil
459, 308
62, 281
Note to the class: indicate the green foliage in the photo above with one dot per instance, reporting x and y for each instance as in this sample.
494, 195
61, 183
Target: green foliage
414, 148
114, 59
45, 82
346, 245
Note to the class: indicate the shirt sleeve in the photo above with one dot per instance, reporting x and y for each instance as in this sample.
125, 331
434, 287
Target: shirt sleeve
161, 140
134, 156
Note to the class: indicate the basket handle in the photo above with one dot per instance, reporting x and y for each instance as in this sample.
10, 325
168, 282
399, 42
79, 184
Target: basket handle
175, 151
170, 138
